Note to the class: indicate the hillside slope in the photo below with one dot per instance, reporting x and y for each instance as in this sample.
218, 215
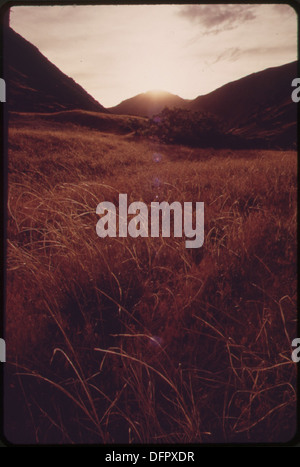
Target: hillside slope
34, 84
257, 105
148, 103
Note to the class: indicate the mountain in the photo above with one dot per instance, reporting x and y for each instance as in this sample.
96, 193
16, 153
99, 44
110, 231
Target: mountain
148, 103
34, 84
258, 105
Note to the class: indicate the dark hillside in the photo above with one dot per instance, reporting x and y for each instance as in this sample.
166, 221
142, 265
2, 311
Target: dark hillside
34, 84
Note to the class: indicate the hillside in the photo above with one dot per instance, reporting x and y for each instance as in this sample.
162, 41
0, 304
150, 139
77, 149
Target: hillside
34, 84
76, 119
257, 105
148, 103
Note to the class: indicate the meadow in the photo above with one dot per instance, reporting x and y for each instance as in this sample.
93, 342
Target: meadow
141, 340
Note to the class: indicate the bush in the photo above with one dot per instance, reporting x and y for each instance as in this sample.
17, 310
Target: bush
181, 126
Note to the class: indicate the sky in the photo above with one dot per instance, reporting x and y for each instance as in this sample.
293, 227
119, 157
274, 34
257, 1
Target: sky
117, 52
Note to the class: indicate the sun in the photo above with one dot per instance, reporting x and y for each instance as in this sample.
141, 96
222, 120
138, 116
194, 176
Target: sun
156, 93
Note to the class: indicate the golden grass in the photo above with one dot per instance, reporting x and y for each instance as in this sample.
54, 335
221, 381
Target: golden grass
142, 340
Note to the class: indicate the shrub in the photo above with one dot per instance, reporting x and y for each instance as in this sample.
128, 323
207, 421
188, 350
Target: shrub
182, 126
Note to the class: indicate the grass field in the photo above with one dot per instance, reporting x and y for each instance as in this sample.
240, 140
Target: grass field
123, 340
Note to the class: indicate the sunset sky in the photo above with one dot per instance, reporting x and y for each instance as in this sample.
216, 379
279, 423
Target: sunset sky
116, 52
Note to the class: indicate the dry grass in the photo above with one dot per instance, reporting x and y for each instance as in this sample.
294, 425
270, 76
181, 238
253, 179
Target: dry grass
142, 340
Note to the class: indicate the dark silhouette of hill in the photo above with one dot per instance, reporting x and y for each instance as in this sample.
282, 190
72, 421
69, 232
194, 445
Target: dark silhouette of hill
34, 84
148, 103
258, 105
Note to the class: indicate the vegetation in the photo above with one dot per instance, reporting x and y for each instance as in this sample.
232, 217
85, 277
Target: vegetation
181, 126
194, 129
123, 340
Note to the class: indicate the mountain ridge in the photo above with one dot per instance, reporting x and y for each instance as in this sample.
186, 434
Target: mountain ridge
147, 103
35, 84
263, 87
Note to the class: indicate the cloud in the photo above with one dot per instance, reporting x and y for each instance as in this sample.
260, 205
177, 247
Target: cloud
218, 18
233, 54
